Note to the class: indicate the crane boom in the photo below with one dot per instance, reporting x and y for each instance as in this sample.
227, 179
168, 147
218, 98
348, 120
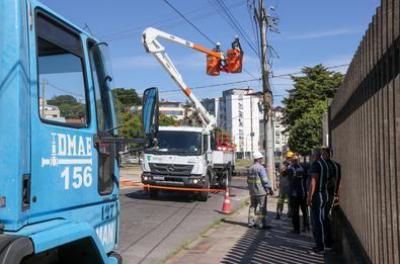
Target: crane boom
153, 46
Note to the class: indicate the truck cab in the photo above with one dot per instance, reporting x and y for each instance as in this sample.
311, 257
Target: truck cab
180, 157
59, 186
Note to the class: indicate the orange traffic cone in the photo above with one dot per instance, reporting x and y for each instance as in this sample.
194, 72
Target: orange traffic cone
226, 206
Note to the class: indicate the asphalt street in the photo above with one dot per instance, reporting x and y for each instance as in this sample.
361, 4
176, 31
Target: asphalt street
153, 229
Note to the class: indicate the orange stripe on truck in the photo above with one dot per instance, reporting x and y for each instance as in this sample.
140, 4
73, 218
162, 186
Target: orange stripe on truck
187, 91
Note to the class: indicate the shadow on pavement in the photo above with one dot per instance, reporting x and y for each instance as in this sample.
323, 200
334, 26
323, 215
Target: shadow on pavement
234, 222
276, 245
239, 187
163, 196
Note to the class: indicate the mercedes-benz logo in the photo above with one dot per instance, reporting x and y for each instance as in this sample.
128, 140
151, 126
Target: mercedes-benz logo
171, 168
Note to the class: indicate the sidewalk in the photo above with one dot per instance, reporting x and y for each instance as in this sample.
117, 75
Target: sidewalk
233, 242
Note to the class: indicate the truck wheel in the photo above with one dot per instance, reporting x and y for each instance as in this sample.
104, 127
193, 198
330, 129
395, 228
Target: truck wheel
117, 256
225, 174
203, 196
153, 193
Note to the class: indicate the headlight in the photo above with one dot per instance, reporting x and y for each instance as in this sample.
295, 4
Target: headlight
195, 181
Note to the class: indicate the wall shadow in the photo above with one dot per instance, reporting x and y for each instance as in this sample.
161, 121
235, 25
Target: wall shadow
276, 245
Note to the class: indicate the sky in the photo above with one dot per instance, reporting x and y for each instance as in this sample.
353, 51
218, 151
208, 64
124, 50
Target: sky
310, 32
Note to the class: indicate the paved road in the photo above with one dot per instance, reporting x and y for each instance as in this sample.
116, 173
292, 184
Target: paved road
151, 230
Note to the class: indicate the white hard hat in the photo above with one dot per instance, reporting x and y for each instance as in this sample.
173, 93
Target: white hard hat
257, 155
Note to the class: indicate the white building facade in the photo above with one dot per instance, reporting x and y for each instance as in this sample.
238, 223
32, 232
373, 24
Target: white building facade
280, 136
172, 109
238, 113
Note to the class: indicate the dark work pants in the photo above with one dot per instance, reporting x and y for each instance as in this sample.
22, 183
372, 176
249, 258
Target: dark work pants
298, 203
318, 210
327, 222
258, 211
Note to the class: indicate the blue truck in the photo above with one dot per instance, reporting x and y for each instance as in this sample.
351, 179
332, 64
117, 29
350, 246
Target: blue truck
59, 173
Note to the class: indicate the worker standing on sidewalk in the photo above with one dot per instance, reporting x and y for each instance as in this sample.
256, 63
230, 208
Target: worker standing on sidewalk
332, 188
284, 186
298, 194
259, 187
317, 199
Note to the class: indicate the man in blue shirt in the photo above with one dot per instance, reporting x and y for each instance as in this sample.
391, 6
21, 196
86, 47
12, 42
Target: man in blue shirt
259, 186
332, 189
298, 193
317, 198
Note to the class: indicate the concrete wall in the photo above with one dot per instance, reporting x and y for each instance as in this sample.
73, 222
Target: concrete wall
365, 134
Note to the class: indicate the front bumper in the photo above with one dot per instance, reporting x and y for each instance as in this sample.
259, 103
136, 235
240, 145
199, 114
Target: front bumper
190, 181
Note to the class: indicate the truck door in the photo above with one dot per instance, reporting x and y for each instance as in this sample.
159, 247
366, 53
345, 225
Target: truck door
63, 123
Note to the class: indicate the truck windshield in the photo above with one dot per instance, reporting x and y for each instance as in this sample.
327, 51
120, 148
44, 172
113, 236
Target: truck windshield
178, 143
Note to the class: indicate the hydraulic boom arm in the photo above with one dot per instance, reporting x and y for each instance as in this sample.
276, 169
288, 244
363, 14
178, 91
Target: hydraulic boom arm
153, 46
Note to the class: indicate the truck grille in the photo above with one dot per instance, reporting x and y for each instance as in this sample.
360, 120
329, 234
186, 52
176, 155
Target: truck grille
171, 169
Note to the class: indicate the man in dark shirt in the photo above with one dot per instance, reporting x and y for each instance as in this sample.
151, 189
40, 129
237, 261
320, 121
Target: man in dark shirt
298, 193
317, 199
332, 188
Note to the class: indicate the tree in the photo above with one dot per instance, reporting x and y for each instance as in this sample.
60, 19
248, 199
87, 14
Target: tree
306, 133
165, 120
69, 107
305, 105
132, 125
317, 85
126, 97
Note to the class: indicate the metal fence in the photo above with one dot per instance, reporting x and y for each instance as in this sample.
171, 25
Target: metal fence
365, 136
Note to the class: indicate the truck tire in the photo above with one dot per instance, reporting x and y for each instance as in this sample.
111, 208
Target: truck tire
203, 196
117, 256
153, 193
226, 173
14, 248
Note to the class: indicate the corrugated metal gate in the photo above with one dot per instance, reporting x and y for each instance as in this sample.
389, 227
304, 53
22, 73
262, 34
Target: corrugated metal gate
365, 134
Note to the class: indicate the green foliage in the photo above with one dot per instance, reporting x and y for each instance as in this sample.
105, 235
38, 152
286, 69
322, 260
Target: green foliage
131, 124
305, 105
165, 120
306, 133
69, 107
317, 85
126, 97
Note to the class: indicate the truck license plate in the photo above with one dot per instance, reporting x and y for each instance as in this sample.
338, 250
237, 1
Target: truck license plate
158, 178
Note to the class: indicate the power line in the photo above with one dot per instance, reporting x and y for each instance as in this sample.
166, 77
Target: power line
253, 23
215, 85
249, 80
116, 35
236, 22
232, 22
300, 72
248, 73
63, 90
190, 23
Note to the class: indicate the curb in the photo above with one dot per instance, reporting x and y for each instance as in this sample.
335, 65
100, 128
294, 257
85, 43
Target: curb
202, 234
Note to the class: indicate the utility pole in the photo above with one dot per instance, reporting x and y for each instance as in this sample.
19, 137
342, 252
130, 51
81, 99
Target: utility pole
43, 97
251, 125
262, 18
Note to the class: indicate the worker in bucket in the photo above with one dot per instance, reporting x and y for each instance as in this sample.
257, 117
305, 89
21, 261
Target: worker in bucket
259, 187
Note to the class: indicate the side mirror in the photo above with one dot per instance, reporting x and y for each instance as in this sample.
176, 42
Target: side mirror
150, 113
